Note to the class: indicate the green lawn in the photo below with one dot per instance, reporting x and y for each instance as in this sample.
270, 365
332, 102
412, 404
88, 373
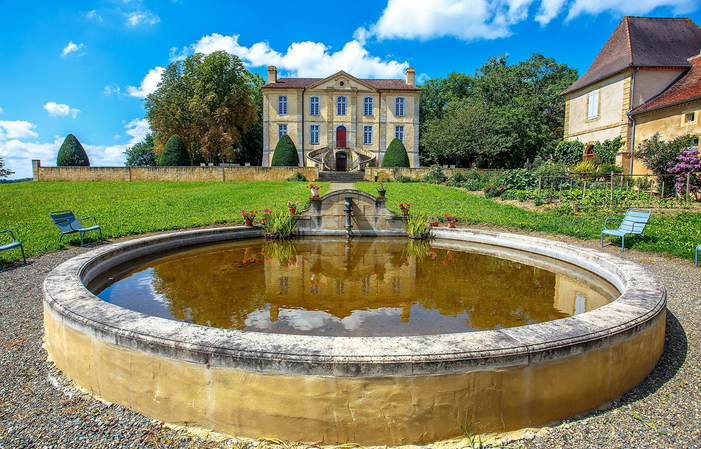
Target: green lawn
135, 208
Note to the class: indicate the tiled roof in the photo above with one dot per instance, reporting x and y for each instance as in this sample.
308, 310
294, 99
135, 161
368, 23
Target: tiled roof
643, 42
380, 84
687, 87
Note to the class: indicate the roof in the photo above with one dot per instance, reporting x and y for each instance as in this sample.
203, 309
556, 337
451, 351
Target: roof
687, 87
643, 42
379, 84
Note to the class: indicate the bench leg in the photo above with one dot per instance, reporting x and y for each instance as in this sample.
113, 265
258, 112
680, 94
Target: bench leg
602, 239
697, 257
623, 242
25, 259
81, 239
100, 234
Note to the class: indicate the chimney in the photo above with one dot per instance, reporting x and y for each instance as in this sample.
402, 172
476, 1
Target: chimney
410, 75
272, 74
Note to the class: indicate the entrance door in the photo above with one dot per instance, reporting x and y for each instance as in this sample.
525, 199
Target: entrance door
341, 137
340, 162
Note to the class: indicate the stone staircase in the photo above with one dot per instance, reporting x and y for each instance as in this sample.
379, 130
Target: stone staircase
341, 176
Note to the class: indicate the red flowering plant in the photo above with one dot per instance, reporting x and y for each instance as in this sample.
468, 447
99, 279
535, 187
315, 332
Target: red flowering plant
404, 206
314, 186
454, 218
250, 215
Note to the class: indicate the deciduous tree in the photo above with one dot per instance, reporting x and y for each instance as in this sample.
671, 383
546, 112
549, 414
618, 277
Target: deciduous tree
4, 172
142, 154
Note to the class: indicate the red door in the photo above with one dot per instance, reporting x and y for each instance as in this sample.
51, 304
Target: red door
341, 137
340, 162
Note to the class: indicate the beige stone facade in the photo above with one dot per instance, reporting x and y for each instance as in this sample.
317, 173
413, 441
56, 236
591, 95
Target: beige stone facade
318, 113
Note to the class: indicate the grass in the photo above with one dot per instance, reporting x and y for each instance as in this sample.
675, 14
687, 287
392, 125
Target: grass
124, 208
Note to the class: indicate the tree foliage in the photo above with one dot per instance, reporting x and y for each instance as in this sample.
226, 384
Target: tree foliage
285, 154
569, 152
658, 155
516, 112
605, 152
175, 153
396, 155
207, 100
142, 154
250, 148
4, 172
72, 153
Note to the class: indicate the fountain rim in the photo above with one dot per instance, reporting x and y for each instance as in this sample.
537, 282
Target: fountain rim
643, 298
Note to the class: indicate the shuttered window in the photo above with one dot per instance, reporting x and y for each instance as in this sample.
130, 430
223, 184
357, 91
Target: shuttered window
593, 105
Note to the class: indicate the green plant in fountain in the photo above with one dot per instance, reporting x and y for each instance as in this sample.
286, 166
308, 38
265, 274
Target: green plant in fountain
279, 225
282, 251
417, 226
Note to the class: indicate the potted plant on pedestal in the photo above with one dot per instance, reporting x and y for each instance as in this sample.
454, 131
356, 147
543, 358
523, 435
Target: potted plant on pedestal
452, 220
404, 208
314, 189
381, 190
292, 207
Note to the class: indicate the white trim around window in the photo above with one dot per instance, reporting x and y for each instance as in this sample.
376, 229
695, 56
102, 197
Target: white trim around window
314, 134
367, 134
399, 106
282, 105
314, 105
399, 132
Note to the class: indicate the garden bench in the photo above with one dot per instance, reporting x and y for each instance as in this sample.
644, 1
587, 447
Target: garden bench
13, 244
633, 223
67, 223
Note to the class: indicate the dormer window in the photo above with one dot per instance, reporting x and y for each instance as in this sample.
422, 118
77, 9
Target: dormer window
341, 105
593, 105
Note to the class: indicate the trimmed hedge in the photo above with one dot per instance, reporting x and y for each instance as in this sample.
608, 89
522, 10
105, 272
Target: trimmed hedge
175, 153
285, 153
72, 154
396, 155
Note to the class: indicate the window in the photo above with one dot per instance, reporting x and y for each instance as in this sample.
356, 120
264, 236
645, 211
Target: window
282, 105
313, 105
399, 133
399, 106
314, 134
690, 117
341, 106
367, 135
281, 129
367, 106
593, 105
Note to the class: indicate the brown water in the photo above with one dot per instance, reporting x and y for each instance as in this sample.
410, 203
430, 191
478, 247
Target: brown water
368, 287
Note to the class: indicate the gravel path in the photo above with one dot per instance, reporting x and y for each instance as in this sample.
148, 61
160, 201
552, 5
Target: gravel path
40, 408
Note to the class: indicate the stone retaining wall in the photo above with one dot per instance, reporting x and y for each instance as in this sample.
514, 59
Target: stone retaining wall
136, 174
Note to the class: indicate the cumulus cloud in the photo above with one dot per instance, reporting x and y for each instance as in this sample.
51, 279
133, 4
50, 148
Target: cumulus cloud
148, 84
139, 18
18, 155
71, 48
60, 110
137, 129
17, 129
301, 59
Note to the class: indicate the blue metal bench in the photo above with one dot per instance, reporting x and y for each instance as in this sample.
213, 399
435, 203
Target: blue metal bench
67, 223
13, 244
698, 248
633, 223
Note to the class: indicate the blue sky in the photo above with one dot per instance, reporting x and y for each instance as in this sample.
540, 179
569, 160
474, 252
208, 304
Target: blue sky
84, 67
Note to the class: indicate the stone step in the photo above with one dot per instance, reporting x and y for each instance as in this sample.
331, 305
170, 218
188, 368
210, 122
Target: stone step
341, 177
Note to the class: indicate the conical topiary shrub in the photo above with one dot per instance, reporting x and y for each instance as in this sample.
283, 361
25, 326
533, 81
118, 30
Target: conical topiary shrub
72, 153
285, 153
396, 155
175, 154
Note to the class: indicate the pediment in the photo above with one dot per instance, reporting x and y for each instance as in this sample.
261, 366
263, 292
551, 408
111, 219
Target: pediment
342, 81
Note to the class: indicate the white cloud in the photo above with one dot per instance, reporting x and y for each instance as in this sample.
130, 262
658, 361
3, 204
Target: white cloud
109, 90
640, 7
17, 129
137, 129
93, 15
70, 48
60, 110
18, 155
148, 84
302, 59
117, 136
138, 18
549, 9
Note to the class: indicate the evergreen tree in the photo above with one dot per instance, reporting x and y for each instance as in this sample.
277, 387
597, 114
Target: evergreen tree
175, 153
72, 154
396, 155
285, 153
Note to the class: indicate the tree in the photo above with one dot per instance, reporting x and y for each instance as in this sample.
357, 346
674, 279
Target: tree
207, 101
520, 102
606, 151
569, 152
396, 155
141, 154
175, 153
4, 172
285, 153
250, 149
658, 155
72, 153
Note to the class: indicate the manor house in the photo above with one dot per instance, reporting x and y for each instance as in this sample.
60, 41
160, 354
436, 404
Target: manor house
341, 122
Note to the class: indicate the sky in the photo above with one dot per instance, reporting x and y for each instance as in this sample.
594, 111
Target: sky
85, 67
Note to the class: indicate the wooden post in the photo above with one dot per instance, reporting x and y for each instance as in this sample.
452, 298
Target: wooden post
584, 190
611, 187
662, 196
540, 183
688, 175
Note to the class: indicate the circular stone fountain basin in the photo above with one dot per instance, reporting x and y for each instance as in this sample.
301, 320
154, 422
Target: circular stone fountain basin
368, 390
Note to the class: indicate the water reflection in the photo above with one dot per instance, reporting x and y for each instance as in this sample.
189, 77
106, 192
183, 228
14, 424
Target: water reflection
366, 287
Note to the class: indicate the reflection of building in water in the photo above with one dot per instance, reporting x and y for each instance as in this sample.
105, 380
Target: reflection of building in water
574, 298
339, 277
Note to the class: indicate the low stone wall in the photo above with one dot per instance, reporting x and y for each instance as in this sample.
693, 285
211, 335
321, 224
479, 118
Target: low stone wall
413, 173
200, 174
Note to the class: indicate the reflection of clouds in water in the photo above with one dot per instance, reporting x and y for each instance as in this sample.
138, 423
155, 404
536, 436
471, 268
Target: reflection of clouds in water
139, 285
308, 320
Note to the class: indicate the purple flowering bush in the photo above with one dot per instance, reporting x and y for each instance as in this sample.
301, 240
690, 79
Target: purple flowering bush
687, 163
